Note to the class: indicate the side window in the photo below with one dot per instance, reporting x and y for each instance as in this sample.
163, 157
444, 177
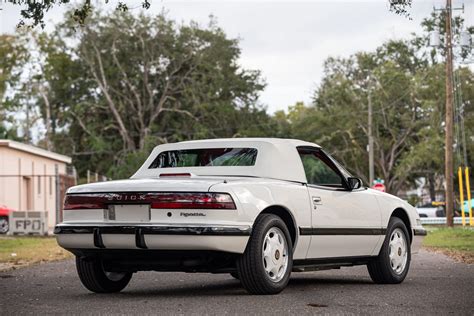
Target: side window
318, 170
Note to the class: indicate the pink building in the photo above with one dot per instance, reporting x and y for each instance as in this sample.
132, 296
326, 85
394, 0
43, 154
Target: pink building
28, 179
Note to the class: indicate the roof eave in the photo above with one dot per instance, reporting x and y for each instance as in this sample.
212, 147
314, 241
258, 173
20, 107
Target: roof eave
35, 151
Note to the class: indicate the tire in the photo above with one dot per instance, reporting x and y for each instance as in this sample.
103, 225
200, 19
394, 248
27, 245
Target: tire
96, 279
269, 248
384, 270
4, 225
235, 275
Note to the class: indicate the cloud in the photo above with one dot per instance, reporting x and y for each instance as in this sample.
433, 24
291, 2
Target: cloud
287, 41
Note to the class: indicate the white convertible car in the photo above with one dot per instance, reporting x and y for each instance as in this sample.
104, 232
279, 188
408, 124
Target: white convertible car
257, 208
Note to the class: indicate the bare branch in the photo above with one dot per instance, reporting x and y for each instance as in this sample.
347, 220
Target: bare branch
103, 85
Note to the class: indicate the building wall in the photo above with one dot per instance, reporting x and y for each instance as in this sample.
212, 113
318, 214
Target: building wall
30, 184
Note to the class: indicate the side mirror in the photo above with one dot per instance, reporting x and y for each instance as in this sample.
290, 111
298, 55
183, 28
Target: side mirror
354, 183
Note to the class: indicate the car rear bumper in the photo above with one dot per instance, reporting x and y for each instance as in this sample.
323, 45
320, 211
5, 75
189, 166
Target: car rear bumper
419, 234
231, 239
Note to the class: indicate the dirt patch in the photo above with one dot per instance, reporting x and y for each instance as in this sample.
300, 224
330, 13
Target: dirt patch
458, 256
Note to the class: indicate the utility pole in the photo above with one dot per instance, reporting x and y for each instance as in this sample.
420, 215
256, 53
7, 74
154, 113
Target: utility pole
371, 141
449, 166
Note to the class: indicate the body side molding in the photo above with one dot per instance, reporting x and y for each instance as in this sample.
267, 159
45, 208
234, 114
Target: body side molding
309, 231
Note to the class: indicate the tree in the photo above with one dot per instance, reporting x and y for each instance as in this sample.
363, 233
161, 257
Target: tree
407, 96
35, 10
147, 70
13, 53
405, 82
122, 84
398, 113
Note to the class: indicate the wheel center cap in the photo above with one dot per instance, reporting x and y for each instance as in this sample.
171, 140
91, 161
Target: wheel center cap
277, 254
399, 251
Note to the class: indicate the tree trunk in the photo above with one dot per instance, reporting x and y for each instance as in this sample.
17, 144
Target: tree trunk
432, 186
47, 136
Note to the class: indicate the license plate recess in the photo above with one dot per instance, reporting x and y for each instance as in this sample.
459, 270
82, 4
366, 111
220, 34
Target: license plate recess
128, 212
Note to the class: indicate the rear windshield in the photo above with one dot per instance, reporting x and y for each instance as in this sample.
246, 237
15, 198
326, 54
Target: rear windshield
206, 157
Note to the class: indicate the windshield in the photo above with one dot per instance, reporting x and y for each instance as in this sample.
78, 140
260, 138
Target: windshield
206, 157
343, 170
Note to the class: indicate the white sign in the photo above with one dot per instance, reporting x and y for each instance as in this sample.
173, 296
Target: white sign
28, 223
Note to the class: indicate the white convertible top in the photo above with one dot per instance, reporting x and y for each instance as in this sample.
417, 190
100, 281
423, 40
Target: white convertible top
277, 158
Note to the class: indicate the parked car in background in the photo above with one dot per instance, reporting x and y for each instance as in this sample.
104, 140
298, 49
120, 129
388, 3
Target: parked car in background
4, 219
466, 206
256, 208
430, 210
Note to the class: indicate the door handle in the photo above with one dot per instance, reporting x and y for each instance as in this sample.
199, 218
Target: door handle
316, 199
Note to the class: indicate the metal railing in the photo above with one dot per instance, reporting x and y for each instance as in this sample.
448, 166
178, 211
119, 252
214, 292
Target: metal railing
439, 221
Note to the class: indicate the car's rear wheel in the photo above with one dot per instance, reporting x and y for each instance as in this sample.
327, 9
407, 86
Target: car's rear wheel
96, 279
266, 264
4, 225
392, 264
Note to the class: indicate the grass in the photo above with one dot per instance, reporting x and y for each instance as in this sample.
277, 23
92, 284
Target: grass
26, 250
456, 242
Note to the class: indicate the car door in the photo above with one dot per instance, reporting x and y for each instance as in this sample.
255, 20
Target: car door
344, 222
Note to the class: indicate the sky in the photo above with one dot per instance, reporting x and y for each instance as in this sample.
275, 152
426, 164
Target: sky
288, 41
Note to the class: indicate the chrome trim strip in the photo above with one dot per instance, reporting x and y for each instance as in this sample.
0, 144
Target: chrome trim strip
147, 229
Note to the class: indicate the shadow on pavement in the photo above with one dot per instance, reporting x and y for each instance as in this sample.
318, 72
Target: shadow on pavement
229, 287
317, 280
219, 288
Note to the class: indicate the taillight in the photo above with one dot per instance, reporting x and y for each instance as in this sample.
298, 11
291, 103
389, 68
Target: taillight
163, 200
192, 201
89, 201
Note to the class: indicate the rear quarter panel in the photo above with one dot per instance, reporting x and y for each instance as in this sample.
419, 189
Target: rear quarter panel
255, 195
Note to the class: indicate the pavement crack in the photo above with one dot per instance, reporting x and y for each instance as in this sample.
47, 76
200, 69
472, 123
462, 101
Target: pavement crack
316, 305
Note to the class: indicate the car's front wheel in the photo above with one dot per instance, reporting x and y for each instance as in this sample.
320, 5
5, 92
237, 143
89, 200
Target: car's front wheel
266, 264
96, 279
392, 264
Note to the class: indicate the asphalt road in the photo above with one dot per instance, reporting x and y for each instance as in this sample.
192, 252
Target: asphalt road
435, 285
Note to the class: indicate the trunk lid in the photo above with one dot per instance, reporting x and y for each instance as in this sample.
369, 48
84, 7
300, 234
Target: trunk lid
168, 184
